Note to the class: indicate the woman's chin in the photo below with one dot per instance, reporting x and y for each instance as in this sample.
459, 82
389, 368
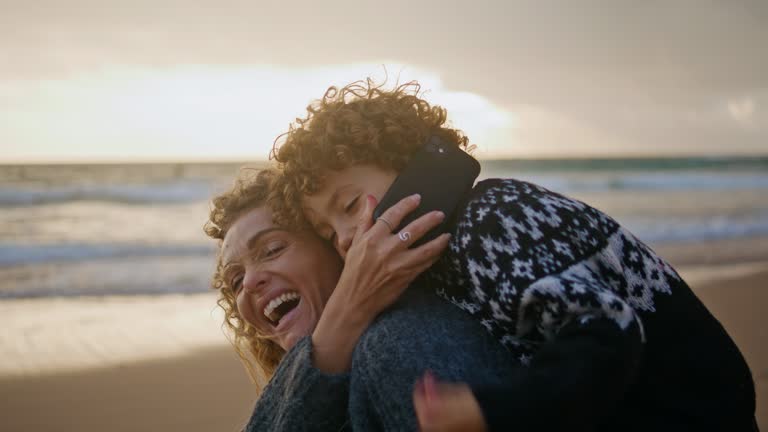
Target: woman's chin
288, 341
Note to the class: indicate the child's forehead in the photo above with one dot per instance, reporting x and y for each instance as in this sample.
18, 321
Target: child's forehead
320, 202
313, 207
309, 213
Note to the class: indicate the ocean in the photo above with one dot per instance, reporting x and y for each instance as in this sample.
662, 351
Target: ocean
92, 230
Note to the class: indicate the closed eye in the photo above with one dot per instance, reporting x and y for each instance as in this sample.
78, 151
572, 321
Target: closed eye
273, 250
270, 250
352, 204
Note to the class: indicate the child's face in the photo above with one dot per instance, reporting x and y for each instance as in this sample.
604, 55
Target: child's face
335, 210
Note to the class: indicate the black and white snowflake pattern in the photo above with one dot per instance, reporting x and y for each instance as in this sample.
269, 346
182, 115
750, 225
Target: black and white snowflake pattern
526, 261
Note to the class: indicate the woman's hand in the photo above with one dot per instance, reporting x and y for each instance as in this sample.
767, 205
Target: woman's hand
446, 407
379, 266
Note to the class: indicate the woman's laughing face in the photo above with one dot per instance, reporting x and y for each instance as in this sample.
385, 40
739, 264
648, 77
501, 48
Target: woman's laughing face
281, 279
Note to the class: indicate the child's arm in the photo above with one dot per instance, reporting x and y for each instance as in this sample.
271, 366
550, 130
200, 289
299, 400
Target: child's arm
573, 383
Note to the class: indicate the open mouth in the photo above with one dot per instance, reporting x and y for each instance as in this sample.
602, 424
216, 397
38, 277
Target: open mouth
280, 306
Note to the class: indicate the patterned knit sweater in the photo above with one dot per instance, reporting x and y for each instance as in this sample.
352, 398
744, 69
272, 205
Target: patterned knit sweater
612, 337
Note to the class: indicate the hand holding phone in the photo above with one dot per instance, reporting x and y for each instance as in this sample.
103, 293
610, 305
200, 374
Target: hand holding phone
442, 174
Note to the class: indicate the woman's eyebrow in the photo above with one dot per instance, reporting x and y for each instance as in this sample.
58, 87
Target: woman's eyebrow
259, 235
252, 241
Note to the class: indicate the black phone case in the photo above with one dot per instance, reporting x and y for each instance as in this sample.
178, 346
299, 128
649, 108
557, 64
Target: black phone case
442, 174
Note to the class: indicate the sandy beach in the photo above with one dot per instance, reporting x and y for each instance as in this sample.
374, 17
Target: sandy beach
163, 364
119, 363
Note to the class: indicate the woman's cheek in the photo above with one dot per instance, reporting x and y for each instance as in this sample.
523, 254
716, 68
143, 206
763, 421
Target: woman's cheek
246, 310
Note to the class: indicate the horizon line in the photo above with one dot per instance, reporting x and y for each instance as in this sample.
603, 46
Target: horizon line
245, 161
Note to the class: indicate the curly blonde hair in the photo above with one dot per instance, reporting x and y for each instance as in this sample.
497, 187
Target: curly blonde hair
252, 189
360, 123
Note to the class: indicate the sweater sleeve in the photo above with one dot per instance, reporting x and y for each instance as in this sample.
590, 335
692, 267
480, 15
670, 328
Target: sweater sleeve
573, 382
300, 397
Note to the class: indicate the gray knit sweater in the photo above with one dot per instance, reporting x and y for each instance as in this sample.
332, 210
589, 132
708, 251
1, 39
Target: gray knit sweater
421, 332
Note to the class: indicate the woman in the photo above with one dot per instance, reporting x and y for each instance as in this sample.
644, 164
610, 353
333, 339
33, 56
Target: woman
276, 281
605, 325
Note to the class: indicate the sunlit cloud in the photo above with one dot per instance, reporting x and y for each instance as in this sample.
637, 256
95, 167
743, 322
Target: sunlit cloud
489, 128
742, 110
194, 112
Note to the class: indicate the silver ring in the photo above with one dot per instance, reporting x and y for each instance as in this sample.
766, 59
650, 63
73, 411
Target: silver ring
381, 218
404, 236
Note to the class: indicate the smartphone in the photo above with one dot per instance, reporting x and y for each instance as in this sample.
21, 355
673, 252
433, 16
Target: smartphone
443, 174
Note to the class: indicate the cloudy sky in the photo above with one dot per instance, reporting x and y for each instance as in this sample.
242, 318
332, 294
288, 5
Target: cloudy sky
203, 80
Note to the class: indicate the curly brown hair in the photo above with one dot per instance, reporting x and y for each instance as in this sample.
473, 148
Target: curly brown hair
360, 123
252, 189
